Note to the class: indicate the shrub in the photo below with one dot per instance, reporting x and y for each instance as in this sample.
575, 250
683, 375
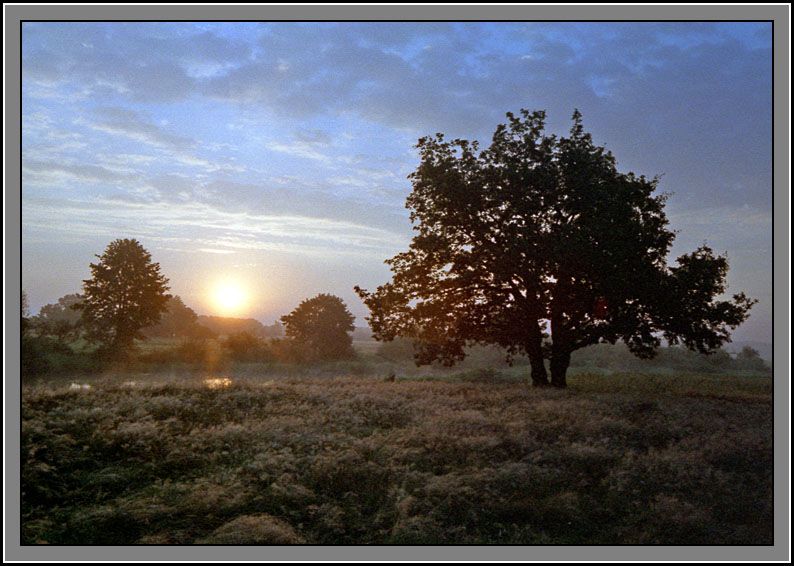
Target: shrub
244, 347
289, 351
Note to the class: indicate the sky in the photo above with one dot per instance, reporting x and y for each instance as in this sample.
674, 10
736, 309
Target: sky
274, 156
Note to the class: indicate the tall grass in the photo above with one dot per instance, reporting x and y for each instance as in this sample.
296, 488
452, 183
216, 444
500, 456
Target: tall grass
469, 458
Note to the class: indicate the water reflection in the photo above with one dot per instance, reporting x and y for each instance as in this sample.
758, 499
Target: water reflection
218, 382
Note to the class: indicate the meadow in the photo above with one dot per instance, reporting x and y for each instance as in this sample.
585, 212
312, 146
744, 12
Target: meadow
356, 453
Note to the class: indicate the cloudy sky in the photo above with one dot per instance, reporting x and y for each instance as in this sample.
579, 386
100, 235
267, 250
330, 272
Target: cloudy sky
275, 155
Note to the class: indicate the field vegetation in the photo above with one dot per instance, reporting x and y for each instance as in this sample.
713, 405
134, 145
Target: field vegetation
209, 449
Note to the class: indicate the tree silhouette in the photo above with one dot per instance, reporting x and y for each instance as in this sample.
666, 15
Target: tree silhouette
177, 320
60, 320
125, 294
540, 235
321, 325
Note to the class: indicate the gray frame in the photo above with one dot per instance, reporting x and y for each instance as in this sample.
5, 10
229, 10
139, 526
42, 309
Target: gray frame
778, 13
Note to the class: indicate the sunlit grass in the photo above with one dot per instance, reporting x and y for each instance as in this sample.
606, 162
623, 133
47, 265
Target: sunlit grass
217, 382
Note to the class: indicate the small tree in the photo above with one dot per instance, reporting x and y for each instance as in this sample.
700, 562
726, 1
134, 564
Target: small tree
542, 233
60, 320
32, 351
322, 326
749, 358
178, 320
126, 294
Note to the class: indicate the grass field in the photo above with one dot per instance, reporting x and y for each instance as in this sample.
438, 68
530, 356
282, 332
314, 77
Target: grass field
467, 458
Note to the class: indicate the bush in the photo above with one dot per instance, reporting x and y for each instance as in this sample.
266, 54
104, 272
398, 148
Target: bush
33, 356
244, 347
289, 351
41, 355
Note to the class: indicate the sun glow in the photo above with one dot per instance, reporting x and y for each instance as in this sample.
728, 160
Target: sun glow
229, 297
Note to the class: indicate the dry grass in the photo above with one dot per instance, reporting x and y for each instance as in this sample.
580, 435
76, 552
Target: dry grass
624, 460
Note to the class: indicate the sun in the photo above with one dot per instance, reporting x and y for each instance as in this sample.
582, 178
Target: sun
229, 297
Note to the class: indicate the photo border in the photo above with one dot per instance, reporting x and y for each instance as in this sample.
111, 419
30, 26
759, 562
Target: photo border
779, 14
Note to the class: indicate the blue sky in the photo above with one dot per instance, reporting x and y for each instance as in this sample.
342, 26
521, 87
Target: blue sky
276, 154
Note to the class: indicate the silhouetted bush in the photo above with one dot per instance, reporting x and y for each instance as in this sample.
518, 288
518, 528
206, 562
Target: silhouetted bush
41, 355
618, 358
243, 347
289, 351
33, 356
750, 359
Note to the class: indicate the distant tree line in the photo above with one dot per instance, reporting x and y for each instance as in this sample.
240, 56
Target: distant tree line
224, 325
610, 357
126, 302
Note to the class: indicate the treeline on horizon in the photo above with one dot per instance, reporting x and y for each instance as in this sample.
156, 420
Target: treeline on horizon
52, 344
318, 330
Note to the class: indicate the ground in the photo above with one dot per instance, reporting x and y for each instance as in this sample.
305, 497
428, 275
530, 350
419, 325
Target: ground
467, 458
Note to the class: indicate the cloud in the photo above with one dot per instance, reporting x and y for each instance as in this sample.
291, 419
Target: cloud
146, 60
424, 77
320, 201
48, 173
128, 123
196, 226
318, 138
299, 149
632, 81
739, 229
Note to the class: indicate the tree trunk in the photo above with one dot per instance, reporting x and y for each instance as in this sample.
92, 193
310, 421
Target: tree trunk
535, 353
560, 350
560, 360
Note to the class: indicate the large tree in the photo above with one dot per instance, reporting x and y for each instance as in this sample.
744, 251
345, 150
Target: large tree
540, 245
125, 294
322, 325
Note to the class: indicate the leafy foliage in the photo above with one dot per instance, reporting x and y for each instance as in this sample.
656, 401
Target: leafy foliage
230, 325
125, 294
60, 320
322, 325
542, 234
178, 320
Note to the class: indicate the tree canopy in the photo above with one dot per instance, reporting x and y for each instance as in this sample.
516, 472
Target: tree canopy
125, 294
322, 326
540, 245
177, 320
60, 320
